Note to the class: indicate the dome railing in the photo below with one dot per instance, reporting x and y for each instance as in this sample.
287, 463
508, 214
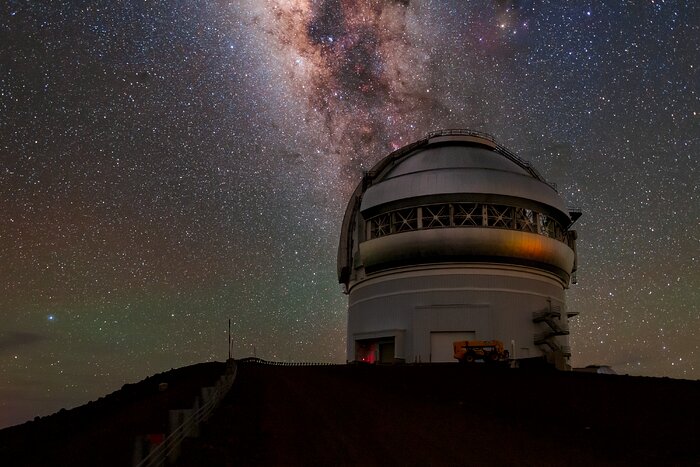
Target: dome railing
461, 132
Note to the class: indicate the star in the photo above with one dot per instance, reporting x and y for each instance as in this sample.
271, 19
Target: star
164, 168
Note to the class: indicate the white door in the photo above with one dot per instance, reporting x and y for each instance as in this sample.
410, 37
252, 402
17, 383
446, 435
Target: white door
441, 344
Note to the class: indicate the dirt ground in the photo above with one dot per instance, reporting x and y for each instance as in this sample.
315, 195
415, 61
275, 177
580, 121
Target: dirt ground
448, 415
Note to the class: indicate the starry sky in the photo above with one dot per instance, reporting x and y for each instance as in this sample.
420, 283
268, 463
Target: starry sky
168, 165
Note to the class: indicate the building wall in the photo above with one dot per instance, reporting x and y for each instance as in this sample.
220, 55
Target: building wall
492, 301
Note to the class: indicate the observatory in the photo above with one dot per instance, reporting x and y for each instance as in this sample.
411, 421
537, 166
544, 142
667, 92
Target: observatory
451, 238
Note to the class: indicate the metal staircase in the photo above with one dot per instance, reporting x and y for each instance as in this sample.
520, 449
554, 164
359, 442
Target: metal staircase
552, 318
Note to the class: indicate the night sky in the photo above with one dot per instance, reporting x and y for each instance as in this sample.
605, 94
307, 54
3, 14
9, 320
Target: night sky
166, 166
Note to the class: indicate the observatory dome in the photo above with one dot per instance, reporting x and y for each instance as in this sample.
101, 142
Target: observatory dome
454, 211
460, 169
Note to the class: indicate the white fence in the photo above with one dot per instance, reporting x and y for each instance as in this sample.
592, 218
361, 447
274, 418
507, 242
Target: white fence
187, 421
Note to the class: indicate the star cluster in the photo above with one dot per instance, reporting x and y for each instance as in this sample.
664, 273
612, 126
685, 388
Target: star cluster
166, 166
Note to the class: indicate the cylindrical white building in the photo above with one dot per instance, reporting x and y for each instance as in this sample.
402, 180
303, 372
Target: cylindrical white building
456, 238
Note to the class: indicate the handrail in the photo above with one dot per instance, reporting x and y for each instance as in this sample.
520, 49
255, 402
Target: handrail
160, 453
461, 132
260, 361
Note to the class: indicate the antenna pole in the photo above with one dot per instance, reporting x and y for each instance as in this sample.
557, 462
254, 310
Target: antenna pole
229, 338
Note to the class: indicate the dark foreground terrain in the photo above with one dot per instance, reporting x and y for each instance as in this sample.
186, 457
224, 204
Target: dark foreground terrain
102, 433
449, 415
389, 415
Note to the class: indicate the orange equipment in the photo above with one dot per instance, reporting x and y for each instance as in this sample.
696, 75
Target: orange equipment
489, 351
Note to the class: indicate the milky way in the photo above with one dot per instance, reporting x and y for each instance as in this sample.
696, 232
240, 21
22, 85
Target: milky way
165, 167
358, 70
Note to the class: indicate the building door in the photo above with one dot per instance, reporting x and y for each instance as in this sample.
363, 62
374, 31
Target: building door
381, 350
441, 349
386, 352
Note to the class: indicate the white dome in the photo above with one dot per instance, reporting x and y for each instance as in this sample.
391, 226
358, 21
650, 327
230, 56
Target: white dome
459, 166
454, 179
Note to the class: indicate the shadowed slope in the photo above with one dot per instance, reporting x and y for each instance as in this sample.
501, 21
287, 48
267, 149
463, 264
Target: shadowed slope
103, 432
448, 414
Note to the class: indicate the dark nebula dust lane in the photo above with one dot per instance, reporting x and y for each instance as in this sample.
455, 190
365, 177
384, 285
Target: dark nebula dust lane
358, 69
165, 167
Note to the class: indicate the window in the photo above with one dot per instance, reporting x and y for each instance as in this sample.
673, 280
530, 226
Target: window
466, 215
526, 220
500, 216
436, 216
547, 226
403, 220
380, 225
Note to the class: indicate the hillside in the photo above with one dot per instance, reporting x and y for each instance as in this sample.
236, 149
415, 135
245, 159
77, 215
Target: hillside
393, 415
102, 432
449, 415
